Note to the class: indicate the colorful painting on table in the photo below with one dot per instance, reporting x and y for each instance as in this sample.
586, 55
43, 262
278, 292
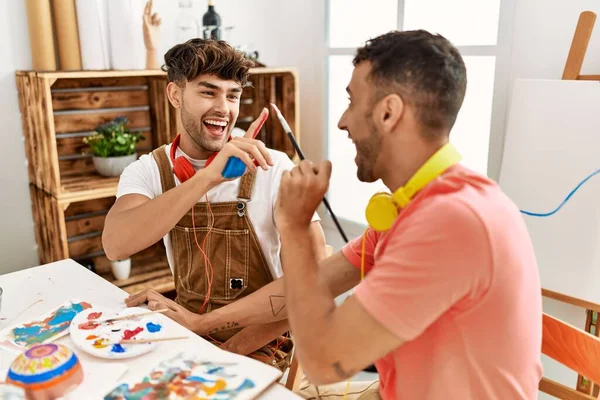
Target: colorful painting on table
49, 327
93, 332
191, 377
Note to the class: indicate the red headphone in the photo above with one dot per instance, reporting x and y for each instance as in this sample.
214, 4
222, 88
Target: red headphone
182, 167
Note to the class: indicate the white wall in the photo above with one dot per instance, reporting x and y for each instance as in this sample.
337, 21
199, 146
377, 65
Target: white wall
286, 33
16, 225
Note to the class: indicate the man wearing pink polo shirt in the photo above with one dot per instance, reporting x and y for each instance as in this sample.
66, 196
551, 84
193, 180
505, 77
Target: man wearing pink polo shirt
449, 306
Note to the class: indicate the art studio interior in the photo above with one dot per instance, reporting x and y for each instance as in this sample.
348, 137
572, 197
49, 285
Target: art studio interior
300, 199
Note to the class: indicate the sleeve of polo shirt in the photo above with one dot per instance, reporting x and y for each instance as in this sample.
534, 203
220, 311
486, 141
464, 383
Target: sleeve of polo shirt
353, 250
433, 259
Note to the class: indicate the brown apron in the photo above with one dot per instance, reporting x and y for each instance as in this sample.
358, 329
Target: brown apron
239, 266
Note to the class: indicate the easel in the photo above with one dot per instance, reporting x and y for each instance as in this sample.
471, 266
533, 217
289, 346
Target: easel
572, 71
579, 46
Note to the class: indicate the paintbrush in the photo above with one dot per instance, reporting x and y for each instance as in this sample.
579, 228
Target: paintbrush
140, 341
124, 317
290, 134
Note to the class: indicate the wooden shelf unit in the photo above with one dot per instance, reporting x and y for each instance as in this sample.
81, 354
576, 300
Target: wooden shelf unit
69, 199
59, 109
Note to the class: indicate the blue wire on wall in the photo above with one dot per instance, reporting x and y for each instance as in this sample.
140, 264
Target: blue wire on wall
564, 201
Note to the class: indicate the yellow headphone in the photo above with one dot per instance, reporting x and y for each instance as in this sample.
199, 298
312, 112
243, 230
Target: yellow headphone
382, 209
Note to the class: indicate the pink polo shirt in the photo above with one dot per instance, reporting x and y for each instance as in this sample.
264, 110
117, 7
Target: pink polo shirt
456, 279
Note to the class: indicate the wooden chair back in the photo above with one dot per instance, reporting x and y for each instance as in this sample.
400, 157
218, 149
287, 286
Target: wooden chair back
573, 348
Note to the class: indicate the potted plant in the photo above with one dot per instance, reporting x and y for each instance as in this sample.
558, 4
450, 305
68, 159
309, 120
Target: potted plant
113, 147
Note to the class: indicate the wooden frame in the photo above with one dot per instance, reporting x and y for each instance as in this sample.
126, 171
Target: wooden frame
59, 109
574, 348
584, 385
579, 45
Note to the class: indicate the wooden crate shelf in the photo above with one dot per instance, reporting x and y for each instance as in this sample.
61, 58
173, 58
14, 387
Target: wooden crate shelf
69, 199
278, 86
59, 109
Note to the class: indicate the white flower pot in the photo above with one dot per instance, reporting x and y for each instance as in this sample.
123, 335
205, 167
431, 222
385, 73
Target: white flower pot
121, 268
113, 166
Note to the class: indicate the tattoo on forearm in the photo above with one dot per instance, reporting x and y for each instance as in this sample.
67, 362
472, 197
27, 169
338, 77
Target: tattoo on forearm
343, 374
227, 326
277, 304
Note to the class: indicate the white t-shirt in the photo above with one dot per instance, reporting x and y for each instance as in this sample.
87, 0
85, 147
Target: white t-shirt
143, 177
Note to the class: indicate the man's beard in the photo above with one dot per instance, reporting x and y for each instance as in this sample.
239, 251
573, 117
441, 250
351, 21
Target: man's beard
368, 152
195, 129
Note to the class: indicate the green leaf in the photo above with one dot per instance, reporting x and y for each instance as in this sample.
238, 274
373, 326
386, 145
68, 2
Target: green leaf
113, 139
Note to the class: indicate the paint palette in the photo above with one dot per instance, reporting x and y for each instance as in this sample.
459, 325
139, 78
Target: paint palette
101, 339
48, 327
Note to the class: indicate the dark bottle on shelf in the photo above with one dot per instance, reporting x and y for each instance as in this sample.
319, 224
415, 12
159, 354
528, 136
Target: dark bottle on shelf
211, 22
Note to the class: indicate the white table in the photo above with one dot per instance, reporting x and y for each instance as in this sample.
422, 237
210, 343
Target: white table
66, 280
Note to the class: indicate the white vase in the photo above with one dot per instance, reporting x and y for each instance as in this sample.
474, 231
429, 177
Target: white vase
121, 268
113, 166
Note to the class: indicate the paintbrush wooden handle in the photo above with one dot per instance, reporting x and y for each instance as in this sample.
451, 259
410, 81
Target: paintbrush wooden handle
130, 316
165, 339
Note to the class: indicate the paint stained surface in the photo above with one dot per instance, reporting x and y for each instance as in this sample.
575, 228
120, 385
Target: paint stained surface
103, 339
188, 377
50, 327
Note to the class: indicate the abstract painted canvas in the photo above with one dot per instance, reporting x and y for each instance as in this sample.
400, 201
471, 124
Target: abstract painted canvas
49, 327
185, 376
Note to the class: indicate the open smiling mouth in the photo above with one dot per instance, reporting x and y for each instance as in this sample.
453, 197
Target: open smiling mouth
215, 127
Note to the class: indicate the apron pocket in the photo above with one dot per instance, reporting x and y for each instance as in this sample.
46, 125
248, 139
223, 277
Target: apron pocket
229, 254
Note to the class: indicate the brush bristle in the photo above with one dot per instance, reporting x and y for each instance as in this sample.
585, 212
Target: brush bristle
276, 109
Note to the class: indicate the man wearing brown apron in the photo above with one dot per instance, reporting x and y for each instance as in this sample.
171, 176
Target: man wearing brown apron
220, 236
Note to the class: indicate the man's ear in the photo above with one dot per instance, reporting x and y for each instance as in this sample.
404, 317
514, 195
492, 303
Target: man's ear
388, 112
174, 93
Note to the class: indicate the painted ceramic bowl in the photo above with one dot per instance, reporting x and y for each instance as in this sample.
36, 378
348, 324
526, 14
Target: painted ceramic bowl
46, 371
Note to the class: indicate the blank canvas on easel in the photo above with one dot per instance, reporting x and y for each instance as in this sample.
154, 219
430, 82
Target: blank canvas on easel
552, 143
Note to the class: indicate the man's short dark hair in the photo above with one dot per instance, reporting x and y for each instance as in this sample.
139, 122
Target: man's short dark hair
426, 70
187, 61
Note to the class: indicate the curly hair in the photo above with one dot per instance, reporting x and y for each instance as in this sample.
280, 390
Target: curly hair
186, 61
426, 70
